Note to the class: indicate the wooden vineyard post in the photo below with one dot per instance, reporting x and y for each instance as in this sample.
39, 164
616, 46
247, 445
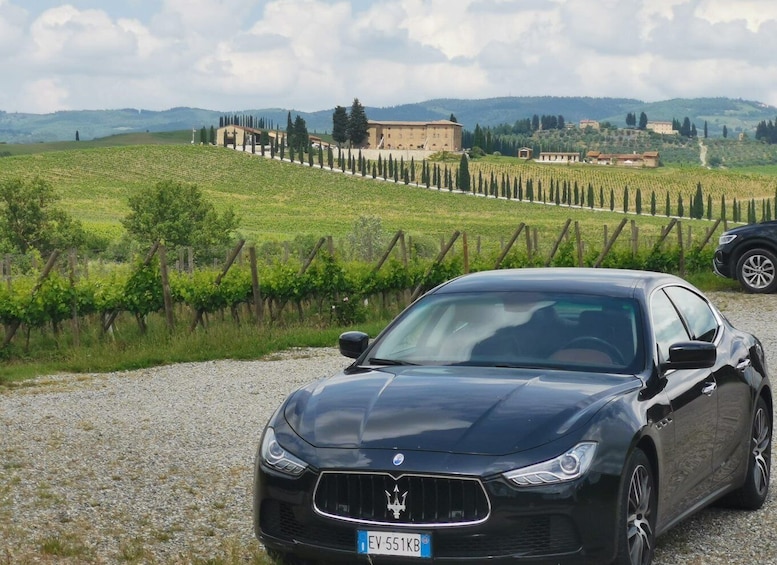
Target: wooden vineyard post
634, 239
112, 316
437, 261
13, 328
230, 260
682, 251
465, 251
166, 294
388, 251
558, 241
506, 249
610, 243
73, 263
665, 232
579, 244
255, 289
709, 233
301, 272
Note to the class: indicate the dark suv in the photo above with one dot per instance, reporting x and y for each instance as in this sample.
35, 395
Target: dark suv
749, 255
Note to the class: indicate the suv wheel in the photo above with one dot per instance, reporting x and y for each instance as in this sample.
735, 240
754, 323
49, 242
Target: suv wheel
757, 271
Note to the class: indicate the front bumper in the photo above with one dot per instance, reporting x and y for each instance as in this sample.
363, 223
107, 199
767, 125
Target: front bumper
721, 264
572, 523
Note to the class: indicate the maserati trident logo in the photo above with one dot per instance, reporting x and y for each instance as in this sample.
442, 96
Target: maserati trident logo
396, 506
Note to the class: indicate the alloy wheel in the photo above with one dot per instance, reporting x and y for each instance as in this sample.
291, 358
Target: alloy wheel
639, 532
761, 442
758, 271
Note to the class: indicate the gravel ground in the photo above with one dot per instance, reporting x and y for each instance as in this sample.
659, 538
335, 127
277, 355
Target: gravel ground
155, 466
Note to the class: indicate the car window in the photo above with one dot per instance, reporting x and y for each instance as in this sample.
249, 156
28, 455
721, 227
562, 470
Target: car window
700, 319
521, 329
668, 328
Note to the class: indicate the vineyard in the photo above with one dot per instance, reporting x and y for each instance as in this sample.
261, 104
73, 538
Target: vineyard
323, 289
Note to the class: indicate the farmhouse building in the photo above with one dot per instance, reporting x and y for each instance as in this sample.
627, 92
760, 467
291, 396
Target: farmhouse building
593, 124
236, 135
525, 153
559, 157
241, 135
441, 135
649, 159
664, 128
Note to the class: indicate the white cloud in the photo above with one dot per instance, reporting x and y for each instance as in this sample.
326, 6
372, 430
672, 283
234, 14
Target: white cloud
314, 54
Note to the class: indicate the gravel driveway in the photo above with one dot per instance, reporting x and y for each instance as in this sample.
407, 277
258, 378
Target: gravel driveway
155, 466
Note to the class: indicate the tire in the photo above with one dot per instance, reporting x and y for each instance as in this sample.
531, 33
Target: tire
752, 494
637, 512
756, 271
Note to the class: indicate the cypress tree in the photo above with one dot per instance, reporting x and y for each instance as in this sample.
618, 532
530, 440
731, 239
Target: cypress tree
652, 202
709, 206
668, 211
590, 196
612, 200
638, 202
464, 179
680, 207
625, 199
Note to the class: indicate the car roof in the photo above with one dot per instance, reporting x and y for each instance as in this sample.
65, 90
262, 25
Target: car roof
609, 282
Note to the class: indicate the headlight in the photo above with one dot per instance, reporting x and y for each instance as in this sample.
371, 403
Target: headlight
726, 238
277, 458
566, 467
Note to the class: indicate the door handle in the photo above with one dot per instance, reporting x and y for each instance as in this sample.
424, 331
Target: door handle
709, 388
744, 364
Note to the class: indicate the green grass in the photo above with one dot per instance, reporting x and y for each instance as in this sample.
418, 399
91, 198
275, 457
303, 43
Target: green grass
127, 349
279, 201
119, 140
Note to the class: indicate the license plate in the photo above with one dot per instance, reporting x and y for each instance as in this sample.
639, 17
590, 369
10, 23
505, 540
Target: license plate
394, 543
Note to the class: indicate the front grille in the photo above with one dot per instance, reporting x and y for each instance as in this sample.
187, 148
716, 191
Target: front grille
278, 520
417, 500
528, 537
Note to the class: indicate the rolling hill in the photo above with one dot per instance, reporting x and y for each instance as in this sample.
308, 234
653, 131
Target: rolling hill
737, 115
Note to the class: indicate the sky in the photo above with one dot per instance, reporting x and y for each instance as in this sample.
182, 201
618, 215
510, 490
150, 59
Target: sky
308, 55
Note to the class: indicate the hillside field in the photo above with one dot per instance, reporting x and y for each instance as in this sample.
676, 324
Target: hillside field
280, 200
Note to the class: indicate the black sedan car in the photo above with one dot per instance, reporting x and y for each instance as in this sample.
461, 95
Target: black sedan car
749, 254
520, 416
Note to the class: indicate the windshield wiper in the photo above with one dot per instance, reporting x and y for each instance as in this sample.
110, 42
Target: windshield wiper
392, 362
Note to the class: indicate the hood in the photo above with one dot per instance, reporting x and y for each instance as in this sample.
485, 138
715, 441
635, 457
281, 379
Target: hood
473, 410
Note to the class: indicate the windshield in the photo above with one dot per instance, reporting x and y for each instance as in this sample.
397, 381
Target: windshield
516, 329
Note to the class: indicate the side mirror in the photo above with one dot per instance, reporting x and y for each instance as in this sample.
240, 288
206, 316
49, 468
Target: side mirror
691, 355
353, 344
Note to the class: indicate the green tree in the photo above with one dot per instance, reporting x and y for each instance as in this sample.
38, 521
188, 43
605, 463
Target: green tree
464, 179
725, 132
29, 218
203, 135
357, 124
291, 136
212, 136
643, 120
178, 215
340, 125
301, 136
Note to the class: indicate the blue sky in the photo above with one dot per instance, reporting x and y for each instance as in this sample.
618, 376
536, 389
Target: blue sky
308, 55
